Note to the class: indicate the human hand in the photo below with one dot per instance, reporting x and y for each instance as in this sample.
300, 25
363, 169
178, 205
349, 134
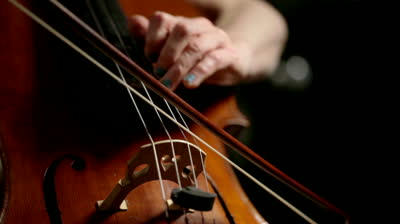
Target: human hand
190, 50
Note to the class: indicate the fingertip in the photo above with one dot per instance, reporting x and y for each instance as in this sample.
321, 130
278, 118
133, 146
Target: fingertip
167, 83
190, 78
191, 81
159, 71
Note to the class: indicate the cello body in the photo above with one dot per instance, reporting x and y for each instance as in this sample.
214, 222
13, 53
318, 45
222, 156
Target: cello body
51, 117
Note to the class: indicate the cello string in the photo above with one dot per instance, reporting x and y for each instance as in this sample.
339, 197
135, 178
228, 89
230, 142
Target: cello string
174, 159
149, 97
190, 156
122, 75
186, 139
123, 45
161, 120
94, 16
120, 81
196, 143
201, 155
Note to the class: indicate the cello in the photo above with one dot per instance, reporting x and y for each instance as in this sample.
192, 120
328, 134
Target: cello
53, 112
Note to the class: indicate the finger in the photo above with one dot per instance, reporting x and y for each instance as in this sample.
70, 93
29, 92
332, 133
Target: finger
139, 26
187, 31
196, 25
212, 62
160, 25
195, 50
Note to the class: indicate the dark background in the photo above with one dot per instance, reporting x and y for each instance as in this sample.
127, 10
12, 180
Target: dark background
336, 135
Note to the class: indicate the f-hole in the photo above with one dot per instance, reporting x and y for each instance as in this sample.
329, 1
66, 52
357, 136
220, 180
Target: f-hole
49, 188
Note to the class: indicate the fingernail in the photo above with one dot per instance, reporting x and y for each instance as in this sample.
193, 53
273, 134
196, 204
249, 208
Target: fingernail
160, 72
153, 57
167, 83
190, 78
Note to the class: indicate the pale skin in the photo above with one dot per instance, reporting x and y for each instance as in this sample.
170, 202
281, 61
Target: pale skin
243, 44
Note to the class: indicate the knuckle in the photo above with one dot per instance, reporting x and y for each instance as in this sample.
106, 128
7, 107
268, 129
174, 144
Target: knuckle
194, 46
182, 30
215, 57
203, 21
223, 35
169, 52
159, 16
168, 56
179, 68
202, 68
160, 19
